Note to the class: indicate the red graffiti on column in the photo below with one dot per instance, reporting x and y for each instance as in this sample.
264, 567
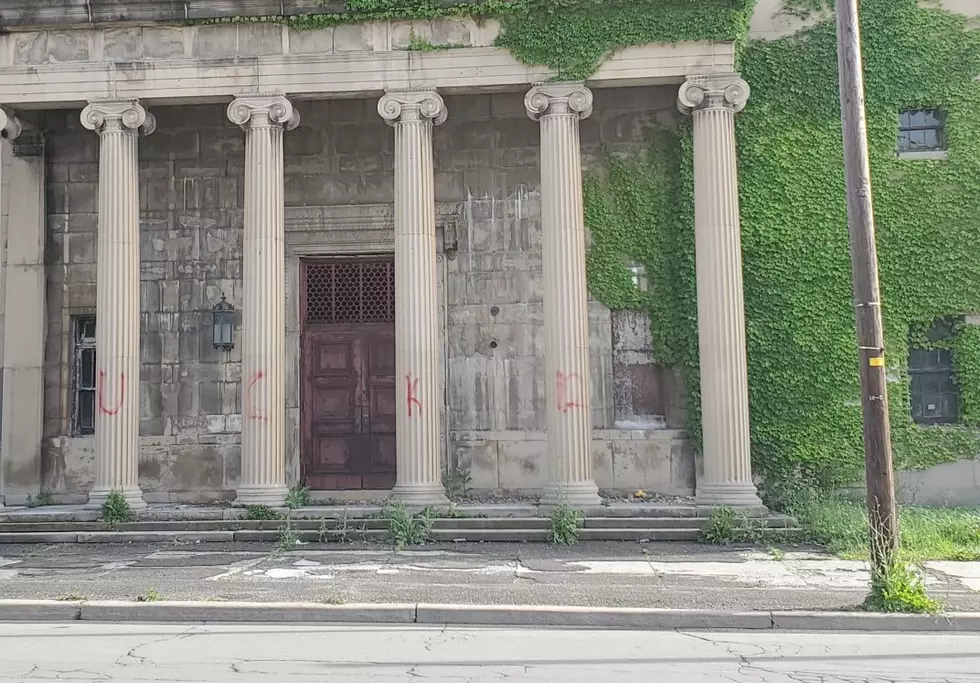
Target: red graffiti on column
250, 412
568, 390
103, 408
413, 389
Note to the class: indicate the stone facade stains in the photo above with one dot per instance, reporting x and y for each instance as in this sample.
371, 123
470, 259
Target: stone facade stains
338, 195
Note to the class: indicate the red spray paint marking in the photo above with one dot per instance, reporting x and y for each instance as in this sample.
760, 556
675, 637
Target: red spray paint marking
413, 388
566, 391
103, 408
249, 412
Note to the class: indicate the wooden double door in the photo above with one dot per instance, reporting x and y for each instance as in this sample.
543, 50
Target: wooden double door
347, 405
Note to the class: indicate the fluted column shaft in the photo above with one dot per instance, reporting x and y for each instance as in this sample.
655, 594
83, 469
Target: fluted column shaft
559, 108
713, 102
117, 332
263, 472
413, 114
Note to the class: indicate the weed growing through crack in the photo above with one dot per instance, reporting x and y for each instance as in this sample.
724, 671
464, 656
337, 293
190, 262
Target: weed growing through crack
565, 525
777, 553
899, 588
896, 585
456, 483
287, 539
261, 513
299, 497
72, 597
406, 528
332, 599
453, 512
116, 510
344, 530
149, 596
44, 498
727, 526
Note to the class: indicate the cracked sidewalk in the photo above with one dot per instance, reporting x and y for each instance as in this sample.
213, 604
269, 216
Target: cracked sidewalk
665, 575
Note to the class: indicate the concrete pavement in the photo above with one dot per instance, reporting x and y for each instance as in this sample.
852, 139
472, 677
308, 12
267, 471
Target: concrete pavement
614, 575
344, 654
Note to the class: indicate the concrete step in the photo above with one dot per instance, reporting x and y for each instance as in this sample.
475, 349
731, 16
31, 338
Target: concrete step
356, 534
644, 522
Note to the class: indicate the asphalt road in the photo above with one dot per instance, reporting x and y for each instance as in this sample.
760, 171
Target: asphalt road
267, 654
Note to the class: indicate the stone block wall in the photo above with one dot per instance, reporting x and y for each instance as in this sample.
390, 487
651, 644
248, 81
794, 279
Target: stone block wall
338, 167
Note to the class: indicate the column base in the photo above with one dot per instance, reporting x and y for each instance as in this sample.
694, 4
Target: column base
578, 494
133, 496
420, 494
733, 494
270, 496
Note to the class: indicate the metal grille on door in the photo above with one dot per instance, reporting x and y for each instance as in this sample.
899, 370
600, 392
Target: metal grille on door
350, 292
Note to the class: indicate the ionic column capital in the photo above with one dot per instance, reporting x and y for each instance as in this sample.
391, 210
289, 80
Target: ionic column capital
10, 128
257, 111
107, 115
559, 99
412, 106
714, 91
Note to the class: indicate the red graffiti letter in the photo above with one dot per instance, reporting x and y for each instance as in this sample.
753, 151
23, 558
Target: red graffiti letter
103, 408
250, 413
566, 399
413, 387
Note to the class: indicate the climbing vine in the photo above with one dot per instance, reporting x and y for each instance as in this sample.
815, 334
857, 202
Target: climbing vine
802, 362
572, 37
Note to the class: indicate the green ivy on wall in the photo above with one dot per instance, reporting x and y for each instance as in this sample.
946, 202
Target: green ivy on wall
572, 37
802, 358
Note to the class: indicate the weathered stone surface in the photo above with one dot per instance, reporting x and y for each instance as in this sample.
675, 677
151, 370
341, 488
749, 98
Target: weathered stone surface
192, 187
162, 42
123, 43
352, 38
318, 41
257, 40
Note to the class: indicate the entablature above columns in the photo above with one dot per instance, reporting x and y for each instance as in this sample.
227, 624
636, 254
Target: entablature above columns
354, 74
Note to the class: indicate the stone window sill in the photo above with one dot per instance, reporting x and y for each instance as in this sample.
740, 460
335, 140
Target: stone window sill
939, 155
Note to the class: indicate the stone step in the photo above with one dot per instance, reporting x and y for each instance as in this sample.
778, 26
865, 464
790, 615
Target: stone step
273, 535
643, 522
440, 523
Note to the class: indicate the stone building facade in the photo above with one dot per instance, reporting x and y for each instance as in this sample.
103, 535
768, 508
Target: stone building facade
400, 236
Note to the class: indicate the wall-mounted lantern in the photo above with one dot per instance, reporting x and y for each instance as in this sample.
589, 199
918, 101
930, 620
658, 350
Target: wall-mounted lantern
224, 325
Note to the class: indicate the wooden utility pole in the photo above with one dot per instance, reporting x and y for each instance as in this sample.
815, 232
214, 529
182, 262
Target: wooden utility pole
867, 303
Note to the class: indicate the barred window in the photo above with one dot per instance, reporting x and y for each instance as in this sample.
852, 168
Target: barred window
935, 397
83, 380
361, 291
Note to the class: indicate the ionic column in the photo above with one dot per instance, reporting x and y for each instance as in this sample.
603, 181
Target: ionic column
713, 101
117, 331
263, 477
566, 315
413, 114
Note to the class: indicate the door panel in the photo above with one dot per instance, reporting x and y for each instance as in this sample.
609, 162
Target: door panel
348, 369
379, 345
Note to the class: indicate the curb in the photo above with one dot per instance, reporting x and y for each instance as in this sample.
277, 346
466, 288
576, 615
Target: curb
478, 615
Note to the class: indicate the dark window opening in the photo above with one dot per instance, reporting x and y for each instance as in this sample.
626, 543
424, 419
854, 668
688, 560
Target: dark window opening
83, 380
921, 130
935, 398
